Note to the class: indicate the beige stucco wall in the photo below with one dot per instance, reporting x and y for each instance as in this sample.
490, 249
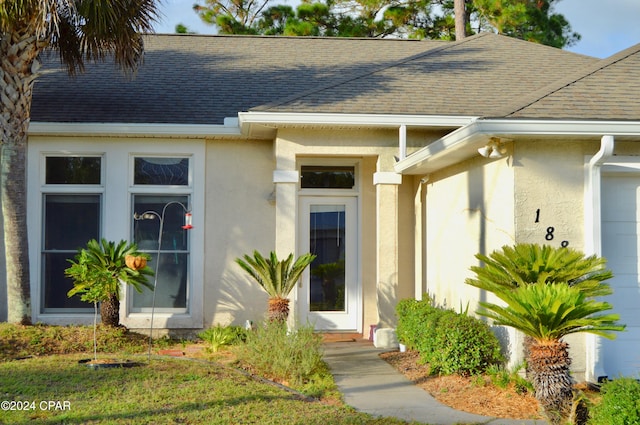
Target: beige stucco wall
469, 210
239, 219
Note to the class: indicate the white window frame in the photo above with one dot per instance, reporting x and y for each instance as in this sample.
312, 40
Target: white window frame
117, 188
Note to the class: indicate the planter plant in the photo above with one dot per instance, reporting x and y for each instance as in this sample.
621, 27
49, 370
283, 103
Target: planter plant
276, 277
99, 270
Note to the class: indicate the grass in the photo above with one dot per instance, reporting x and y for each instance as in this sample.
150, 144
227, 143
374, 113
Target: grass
166, 391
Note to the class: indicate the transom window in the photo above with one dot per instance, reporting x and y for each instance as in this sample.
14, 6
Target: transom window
327, 177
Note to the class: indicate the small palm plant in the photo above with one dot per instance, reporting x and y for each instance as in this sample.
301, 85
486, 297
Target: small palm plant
276, 277
549, 293
99, 269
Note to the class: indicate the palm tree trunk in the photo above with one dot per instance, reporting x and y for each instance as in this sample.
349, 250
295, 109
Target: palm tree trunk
110, 311
18, 52
278, 309
550, 363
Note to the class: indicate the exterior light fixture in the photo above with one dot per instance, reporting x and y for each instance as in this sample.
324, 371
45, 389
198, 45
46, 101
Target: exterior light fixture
494, 149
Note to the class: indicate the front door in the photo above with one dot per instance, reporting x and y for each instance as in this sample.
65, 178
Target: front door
329, 295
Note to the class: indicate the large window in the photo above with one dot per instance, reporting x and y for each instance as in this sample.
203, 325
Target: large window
71, 216
162, 191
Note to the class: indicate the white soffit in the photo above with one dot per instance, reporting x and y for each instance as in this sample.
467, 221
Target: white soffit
463, 143
250, 120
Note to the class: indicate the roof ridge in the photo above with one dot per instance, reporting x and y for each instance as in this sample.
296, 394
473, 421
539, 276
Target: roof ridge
558, 85
445, 45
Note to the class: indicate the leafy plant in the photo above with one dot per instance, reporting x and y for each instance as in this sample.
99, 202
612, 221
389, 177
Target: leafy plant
276, 277
620, 403
221, 336
98, 272
548, 293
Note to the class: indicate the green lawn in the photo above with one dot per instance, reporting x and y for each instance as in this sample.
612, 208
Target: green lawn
168, 391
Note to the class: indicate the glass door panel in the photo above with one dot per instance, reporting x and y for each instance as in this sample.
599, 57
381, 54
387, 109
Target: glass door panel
327, 242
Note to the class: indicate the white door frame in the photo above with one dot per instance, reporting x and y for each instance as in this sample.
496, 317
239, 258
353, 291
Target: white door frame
350, 319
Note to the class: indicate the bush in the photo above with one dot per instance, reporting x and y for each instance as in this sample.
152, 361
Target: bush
449, 342
620, 403
282, 355
416, 322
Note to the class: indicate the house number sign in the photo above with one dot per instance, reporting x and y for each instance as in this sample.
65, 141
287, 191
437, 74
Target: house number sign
550, 232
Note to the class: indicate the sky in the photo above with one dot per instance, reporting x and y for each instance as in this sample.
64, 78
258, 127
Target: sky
604, 30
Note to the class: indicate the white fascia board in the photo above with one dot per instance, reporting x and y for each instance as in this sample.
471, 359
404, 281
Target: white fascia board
198, 131
386, 120
463, 142
557, 127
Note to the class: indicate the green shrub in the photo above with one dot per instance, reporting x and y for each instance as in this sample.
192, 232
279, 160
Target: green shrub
282, 355
220, 336
416, 322
463, 345
449, 342
620, 403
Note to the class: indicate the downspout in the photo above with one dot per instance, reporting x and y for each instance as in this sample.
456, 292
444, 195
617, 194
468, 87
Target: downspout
402, 142
593, 242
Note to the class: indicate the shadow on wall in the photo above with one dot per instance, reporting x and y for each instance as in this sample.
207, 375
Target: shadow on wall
387, 299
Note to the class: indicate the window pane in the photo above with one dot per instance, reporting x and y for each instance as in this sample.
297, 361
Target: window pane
327, 242
145, 232
73, 170
171, 284
56, 284
70, 221
172, 277
314, 177
161, 171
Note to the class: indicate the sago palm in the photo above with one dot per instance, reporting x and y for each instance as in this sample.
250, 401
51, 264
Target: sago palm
80, 30
552, 302
100, 269
276, 277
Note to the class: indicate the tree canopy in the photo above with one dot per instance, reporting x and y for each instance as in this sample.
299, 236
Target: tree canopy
531, 20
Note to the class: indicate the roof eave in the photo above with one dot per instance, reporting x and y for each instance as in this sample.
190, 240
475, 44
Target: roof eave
464, 142
230, 129
256, 123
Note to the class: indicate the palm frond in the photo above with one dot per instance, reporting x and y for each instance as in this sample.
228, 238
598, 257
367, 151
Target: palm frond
550, 312
276, 277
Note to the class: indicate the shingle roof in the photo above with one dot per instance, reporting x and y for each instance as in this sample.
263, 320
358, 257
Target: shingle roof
203, 79
475, 77
608, 90
189, 79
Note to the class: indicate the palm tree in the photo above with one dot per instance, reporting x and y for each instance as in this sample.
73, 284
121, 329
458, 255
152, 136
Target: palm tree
101, 268
277, 278
549, 294
79, 30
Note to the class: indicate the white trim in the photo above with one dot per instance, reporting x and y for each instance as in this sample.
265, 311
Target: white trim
116, 190
463, 143
386, 177
230, 128
377, 120
286, 176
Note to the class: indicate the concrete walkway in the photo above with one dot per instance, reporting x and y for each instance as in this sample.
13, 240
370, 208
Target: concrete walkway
371, 385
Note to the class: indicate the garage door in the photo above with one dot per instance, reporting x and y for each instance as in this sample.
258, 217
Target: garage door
621, 247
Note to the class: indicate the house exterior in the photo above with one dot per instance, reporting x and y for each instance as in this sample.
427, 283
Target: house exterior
362, 151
